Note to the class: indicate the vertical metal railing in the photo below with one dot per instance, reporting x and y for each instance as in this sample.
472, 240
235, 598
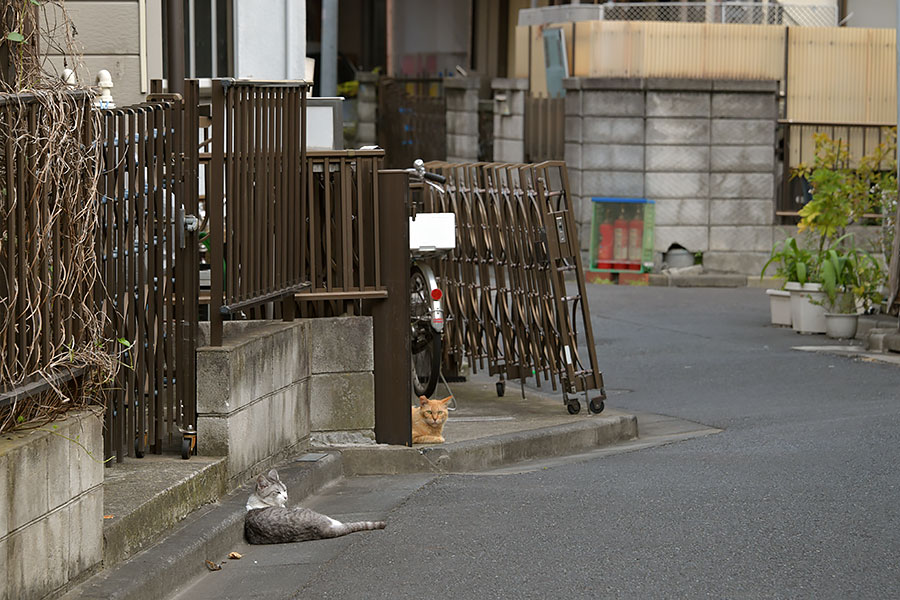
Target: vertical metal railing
149, 264
257, 178
412, 121
800, 148
45, 221
340, 235
545, 126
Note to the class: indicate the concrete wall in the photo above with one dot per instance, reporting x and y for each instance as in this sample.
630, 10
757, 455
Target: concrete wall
872, 13
341, 380
462, 118
51, 506
509, 119
702, 150
366, 110
270, 39
272, 384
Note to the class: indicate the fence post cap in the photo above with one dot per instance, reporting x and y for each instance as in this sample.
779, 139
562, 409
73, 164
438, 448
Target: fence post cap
105, 83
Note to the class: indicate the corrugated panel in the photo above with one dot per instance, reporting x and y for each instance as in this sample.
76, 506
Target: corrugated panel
882, 76
685, 50
616, 49
521, 56
673, 50
744, 52
841, 74
835, 74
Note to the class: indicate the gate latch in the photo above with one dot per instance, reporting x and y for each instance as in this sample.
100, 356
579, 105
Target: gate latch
191, 223
184, 223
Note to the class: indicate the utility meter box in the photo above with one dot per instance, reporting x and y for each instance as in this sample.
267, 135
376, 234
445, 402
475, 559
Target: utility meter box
622, 235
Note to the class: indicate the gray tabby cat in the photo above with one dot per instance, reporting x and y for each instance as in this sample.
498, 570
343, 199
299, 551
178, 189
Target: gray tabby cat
268, 521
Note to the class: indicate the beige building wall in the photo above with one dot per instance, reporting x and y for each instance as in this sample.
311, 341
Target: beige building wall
108, 34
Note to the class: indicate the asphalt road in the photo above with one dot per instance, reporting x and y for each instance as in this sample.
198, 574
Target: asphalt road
797, 497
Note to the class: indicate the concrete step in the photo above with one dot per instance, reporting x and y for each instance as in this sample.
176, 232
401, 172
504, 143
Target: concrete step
211, 530
490, 452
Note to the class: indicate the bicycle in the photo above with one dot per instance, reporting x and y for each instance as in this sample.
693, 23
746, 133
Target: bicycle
426, 310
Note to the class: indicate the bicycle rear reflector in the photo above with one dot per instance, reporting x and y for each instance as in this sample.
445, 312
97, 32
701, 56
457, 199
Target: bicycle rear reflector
436, 294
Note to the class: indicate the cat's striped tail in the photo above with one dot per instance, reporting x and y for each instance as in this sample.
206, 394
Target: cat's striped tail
364, 526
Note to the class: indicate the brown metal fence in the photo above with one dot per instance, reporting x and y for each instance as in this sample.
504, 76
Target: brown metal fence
148, 261
340, 232
505, 283
45, 299
800, 148
545, 128
412, 120
255, 196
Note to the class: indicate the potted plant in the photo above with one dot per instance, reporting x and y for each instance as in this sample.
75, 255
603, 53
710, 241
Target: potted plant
851, 280
799, 268
844, 194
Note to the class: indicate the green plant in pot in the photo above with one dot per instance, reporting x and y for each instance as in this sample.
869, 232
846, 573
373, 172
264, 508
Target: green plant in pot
851, 280
793, 263
844, 194
799, 268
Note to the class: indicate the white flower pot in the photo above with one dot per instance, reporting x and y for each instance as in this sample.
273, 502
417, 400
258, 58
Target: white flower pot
780, 307
807, 317
841, 326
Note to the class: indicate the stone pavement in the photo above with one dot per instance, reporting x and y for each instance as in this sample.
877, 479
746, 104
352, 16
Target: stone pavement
200, 522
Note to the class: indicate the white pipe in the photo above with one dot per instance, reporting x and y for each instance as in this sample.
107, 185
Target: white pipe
142, 48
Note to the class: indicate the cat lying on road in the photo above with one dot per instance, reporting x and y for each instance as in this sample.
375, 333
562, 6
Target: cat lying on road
269, 521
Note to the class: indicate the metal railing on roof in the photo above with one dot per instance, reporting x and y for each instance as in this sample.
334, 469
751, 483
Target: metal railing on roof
738, 12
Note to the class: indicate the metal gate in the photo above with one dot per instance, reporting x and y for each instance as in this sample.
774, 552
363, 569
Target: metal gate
412, 121
149, 263
505, 283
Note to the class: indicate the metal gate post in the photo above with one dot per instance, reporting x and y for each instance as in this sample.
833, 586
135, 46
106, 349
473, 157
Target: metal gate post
390, 318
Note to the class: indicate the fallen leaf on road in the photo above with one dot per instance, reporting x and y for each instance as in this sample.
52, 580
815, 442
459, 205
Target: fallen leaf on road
235, 556
213, 566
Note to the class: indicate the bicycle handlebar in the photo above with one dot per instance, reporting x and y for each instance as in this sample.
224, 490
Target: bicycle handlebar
435, 177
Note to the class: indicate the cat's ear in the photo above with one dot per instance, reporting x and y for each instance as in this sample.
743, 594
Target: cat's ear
273, 475
446, 400
262, 482
423, 400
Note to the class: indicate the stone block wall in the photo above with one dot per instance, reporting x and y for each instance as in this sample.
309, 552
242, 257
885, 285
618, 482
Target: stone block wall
51, 506
342, 384
272, 384
462, 118
509, 119
703, 151
366, 109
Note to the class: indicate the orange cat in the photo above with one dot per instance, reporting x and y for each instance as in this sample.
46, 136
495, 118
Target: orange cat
428, 420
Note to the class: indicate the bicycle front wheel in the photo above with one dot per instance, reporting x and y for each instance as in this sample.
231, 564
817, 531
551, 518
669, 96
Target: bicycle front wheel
425, 342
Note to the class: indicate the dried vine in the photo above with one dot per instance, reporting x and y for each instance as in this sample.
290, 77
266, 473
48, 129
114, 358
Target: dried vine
49, 166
